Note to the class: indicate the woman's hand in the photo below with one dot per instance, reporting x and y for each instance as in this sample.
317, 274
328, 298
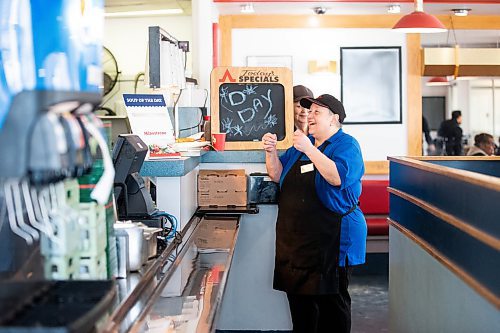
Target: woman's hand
273, 164
301, 142
269, 142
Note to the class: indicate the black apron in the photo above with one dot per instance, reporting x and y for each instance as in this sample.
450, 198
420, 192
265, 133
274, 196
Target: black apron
307, 238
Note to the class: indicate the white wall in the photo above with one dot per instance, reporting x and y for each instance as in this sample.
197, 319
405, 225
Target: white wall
127, 39
377, 141
205, 13
460, 93
484, 102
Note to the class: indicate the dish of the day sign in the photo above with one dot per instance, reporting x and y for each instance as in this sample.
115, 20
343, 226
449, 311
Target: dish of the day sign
249, 102
149, 118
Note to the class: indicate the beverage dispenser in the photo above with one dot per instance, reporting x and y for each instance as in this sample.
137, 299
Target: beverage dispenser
50, 78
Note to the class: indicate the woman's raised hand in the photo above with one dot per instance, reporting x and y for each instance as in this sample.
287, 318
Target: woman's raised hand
269, 141
301, 142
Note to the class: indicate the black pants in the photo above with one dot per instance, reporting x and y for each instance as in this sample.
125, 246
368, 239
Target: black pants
323, 313
453, 148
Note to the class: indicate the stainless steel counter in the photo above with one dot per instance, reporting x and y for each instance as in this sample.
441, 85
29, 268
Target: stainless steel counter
146, 301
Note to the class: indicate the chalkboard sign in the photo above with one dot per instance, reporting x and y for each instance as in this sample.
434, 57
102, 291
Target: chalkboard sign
248, 102
248, 111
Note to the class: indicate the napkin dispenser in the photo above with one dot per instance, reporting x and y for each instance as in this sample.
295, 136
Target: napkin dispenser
262, 190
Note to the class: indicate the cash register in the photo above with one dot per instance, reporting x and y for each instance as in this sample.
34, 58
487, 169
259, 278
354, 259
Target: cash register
133, 200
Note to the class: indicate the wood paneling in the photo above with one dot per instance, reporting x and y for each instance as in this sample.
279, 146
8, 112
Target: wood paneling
414, 94
314, 21
471, 22
376, 167
226, 47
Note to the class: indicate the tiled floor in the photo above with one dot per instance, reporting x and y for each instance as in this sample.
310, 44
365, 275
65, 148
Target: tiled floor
370, 303
369, 294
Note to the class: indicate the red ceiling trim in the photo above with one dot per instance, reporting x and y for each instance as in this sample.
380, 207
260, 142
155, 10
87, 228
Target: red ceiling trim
215, 44
469, 2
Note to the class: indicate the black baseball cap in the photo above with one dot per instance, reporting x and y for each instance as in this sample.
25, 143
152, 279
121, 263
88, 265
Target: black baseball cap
326, 101
300, 92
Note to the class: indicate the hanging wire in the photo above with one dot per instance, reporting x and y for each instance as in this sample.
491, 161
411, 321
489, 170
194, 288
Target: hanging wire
453, 30
448, 35
137, 79
455, 73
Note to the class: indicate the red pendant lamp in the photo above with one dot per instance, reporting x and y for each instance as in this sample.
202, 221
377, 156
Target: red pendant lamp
438, 81
419, 22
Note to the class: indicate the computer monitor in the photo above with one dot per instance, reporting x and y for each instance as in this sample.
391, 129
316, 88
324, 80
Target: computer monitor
131, 195
129, 153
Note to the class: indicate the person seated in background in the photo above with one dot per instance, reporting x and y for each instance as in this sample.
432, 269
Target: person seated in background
452, 133
497, 148
483, 145
300, 113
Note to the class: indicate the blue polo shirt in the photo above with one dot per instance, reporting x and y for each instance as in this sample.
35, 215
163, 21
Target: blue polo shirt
345, 152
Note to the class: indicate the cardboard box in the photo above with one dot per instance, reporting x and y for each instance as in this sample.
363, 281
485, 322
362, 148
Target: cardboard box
227, 198
222, 180
215, 234
222, 188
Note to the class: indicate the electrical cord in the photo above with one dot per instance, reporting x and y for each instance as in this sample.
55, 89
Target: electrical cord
195, 126
178, 97
206, 98
185, 60
201, 114
201, 117
108, 110
132, 193
166, 229
136, 80
172, 231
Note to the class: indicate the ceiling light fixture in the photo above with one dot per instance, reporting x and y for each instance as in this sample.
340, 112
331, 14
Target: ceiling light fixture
394, 9
172, 11
419, 22
247, 8
438, 81
461, 11
320, 10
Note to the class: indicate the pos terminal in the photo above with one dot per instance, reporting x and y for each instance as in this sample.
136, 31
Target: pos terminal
133, 200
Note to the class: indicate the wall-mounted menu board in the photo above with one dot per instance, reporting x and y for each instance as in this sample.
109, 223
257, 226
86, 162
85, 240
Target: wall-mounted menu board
247, 102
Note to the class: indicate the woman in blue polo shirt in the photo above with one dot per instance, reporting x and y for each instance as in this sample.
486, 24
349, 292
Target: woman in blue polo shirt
320, 231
